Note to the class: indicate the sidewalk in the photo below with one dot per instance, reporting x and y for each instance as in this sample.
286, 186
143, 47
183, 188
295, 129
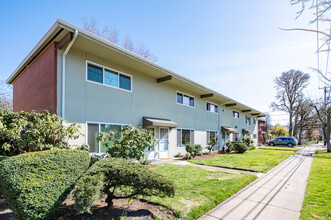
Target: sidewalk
277, 195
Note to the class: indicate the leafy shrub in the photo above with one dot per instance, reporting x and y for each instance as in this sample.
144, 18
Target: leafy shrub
131, 143
22, 132
179, 154
118, 178
193, 150
211, 144
35, 184
239, 147
229, 146
252, 148
248, 141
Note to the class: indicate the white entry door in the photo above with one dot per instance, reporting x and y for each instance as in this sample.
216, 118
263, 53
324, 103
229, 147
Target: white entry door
164, 143
150, 153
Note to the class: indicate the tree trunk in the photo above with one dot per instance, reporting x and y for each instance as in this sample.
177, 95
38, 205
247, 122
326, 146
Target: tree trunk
327, 135
300, 135
290, 130
110, 197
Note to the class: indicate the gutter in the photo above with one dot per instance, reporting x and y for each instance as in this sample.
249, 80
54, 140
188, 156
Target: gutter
64, 72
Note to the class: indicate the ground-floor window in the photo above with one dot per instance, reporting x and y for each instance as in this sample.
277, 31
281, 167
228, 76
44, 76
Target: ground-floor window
93, 130
185, 137
210, 135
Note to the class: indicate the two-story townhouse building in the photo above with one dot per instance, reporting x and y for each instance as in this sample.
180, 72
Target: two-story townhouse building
101, 86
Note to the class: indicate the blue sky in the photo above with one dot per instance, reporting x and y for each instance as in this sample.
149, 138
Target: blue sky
233, 47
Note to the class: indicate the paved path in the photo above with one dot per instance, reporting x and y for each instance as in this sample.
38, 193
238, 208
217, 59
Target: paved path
276, 195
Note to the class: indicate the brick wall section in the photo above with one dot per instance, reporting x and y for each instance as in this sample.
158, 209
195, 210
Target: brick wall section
35, 87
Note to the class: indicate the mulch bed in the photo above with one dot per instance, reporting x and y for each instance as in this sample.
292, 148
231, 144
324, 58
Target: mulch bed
121, 208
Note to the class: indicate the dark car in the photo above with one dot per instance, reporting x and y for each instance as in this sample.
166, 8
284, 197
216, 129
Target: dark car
288, 141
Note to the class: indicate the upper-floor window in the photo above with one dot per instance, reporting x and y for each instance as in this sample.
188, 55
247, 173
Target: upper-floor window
212, 107
254, 120
248, 120
235, 114
106, 76
185, 99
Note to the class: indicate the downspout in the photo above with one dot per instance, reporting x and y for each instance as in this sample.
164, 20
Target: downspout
64, 71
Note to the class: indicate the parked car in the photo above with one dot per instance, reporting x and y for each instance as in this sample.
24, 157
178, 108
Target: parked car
288, 141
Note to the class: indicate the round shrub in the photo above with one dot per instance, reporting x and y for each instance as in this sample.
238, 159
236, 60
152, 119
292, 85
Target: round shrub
22, 132
35, 184
239, 147
193, 150
118, 178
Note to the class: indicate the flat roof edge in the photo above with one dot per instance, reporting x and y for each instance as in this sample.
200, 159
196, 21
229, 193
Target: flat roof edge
66, 25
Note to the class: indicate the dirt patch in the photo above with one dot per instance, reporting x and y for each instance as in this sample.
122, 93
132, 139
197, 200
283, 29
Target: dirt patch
207, 156
100, 211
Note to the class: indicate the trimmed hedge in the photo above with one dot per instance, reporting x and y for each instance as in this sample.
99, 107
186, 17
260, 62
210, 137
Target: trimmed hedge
126, 178
35, 184
239, 147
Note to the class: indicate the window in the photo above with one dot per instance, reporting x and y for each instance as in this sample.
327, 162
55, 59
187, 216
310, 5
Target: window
210, 135
108, 77
185, 137
254, 136
111, 78
212, 107
94, 74
248, 120
254, 120
235, 114
185, 99
93, 130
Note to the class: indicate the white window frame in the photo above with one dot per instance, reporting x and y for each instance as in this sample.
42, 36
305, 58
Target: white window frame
249, 122
233, 111
181, 137
99, 129
103, 76
211, 103
191, 96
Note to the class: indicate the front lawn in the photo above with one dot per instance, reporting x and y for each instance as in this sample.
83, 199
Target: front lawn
295, 149
199, 190
317, 203
252, 160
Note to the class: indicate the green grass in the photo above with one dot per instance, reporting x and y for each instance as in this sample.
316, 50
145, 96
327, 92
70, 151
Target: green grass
252, 160
198, 190
317, 202
295, 149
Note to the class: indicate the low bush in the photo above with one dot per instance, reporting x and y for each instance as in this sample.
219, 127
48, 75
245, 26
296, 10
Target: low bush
229, 146
118, 178
35, 184
211, 144
193, 150
248, 141
239, 147
22, 132
179, 154
252, 148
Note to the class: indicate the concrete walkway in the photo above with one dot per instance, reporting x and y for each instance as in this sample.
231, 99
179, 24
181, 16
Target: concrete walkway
276, 195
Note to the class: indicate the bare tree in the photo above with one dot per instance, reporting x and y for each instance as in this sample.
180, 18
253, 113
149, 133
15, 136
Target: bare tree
323, 111
321, 7
289, 89
112, 35
304, 117
6, 98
